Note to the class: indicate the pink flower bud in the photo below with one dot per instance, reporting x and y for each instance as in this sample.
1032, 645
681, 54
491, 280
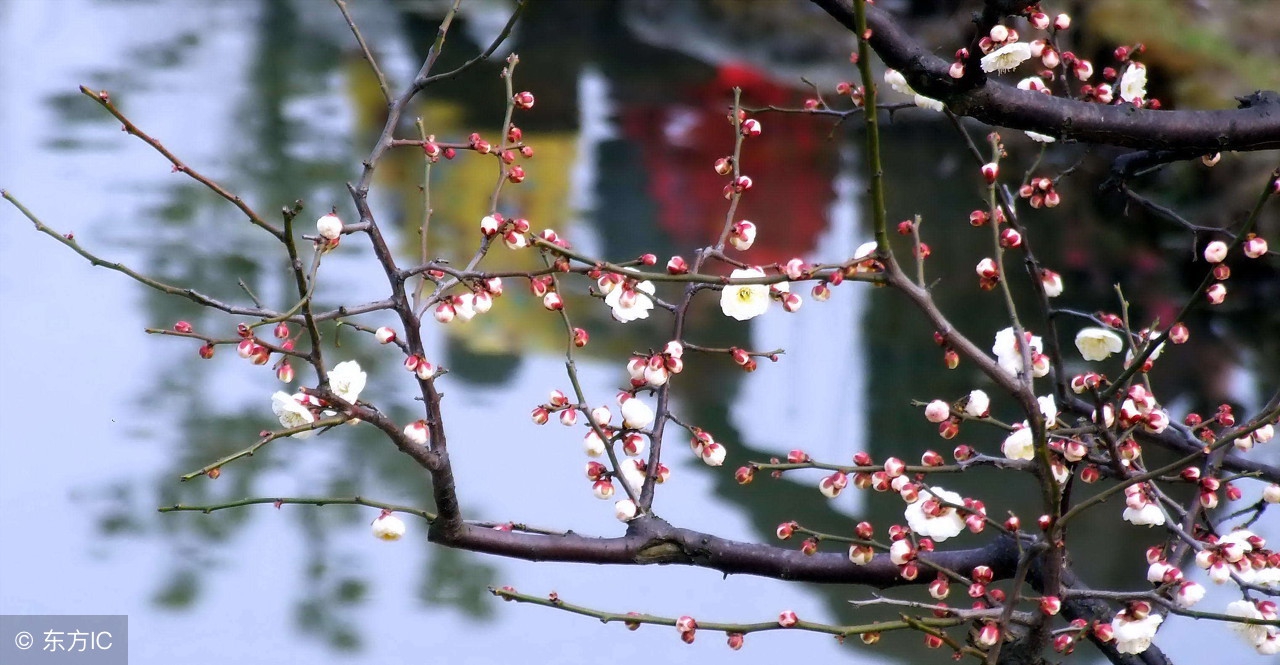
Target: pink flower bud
625, 510
956, 70
444, 312
1215, 251
990, 171
552, 301
1010, 238
937, 411
540, 415
1254, 247
285, 372
329, 226
677, 266
1062, 21
602, 489
787, 619
1216, 293
580, 337
751, 127
206, 351
523, 100
385, 335
987, 268
568, 417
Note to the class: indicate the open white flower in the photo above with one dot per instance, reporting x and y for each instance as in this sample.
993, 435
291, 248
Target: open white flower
636, 414
1009, 352
1134, 635
346, 380
1245, 609
1098, 343
1148, 515
1006, 57
1019, 444
1048, 409
978, 404
1133, 84
292, 413
945, 523
745, 301
388, 527
628, 304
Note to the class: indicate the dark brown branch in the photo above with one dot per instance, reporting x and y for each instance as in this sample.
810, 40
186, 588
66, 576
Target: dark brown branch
650, 540
1254, 126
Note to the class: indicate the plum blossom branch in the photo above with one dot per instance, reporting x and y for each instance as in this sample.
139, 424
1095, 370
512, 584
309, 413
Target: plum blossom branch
1254, 126
104, 100
634, 618
266, 438
303, 501
69, 240
364, 50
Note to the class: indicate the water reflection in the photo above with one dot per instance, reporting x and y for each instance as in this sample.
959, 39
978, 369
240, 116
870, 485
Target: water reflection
277, 106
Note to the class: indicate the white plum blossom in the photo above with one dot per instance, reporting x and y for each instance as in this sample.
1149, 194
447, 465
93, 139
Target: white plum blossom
1009, 353
636, 414
629, 304
625, 510
631, 474
978, 405
292, 413
1246, 609
745, 301
948, 522
592, 444
1006, 58
1048, 409
1133, 83
897, 81
346, 380
1189, 594
329, 226
1134, 635
1098, 343
1019, 444
388, 527
417, 432
1148, 515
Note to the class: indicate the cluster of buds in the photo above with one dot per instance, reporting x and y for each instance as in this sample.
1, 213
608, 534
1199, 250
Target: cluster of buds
1241, 553
1041, 21
419, 366
1040, 192
687, 627
514, 232
433, 151
558, 403
466, 306
250, 348
656, 369
739, 185
710, 451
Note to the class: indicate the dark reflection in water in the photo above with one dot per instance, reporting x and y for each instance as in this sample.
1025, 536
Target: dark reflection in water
625, 134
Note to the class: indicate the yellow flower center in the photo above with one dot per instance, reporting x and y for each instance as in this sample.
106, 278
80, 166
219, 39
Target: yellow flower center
744, 294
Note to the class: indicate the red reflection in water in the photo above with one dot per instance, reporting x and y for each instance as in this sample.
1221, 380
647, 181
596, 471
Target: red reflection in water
791, 164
